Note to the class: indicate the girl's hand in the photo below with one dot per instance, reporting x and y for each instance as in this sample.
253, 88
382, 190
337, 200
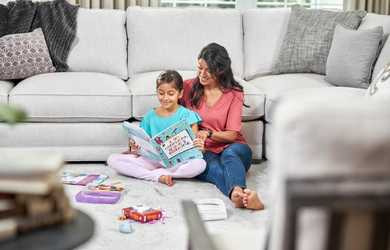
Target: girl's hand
199, 144
202, 134
133, 148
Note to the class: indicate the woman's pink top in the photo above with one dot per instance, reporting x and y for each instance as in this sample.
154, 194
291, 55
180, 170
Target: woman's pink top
224, 115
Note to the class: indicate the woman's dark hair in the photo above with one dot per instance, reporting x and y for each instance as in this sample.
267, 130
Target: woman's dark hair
219, 64
170, 76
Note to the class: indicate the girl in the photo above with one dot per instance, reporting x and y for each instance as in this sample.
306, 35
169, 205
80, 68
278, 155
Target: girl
218, 98
169, 91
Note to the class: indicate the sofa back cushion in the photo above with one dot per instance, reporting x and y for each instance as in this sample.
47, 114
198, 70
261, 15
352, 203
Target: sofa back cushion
373, 20
264, 30
101, 43
169, 38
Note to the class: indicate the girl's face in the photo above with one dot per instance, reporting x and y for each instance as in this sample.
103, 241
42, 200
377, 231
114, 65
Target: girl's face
205, 77
168, 96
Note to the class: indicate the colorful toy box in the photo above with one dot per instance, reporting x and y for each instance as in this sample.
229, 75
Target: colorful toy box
141, 213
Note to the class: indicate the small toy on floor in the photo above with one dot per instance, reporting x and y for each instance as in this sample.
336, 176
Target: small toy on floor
115, 187
125, 227
141, 213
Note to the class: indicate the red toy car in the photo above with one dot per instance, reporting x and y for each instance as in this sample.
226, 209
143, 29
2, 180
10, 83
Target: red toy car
141, 213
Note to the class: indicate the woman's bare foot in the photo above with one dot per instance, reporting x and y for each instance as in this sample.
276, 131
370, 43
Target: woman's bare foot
166, 179
251, 200
237, 197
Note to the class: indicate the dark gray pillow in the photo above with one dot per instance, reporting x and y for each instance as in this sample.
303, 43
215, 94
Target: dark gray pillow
23, 55
352, 56
309, 35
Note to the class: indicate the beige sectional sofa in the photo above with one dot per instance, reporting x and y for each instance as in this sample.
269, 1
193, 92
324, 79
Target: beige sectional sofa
116, 58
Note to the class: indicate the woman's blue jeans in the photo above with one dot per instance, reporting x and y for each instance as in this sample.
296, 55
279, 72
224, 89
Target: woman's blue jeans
227, 169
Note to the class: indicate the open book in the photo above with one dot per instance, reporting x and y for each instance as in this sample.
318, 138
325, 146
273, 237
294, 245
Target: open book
171, 146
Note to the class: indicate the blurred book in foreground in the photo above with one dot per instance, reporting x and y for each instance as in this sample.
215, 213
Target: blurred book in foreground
31, 193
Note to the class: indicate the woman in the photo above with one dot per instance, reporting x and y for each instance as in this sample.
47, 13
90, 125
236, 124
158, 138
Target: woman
218, 99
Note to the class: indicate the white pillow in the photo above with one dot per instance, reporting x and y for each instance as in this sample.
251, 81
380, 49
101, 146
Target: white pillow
380, 87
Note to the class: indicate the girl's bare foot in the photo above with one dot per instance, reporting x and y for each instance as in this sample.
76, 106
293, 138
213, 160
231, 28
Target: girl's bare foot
251, 200
237, 197
166, 179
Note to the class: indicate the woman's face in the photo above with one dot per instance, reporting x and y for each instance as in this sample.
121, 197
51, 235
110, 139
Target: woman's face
205, 77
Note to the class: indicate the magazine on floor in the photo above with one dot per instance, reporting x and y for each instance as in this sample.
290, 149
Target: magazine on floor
83, 179
171, 146
211, 209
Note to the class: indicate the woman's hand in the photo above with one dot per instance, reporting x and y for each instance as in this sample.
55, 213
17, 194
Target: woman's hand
133, 148
199, 144
202, 134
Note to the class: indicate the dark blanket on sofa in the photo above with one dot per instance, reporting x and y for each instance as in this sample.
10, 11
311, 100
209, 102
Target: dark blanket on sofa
56, 18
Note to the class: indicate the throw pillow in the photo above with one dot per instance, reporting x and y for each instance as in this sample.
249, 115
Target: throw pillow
352, 56
380, 86
309, 35
23, 55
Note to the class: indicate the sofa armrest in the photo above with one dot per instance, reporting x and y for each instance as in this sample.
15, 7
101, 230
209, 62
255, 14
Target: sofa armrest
323, 134
321, 137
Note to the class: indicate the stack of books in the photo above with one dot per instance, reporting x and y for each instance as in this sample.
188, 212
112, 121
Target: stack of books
31, 193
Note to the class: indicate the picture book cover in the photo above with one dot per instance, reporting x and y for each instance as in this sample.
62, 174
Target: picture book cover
171, 146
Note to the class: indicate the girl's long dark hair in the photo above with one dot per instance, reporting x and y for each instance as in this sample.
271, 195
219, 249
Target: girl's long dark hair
219, 64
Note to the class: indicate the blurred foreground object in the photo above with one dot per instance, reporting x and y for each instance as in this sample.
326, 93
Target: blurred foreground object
11, 114
31, 193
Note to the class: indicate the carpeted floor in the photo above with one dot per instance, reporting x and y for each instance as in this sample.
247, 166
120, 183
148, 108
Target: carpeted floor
172, 234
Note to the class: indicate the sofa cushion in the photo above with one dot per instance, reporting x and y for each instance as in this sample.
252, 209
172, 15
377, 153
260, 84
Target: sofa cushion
308, 39
274, 86
175, 37
305, 96
261, 51
75, 141
352, 56
332, 131
143, 91
73, 97
101, 43
373, 20
5, 88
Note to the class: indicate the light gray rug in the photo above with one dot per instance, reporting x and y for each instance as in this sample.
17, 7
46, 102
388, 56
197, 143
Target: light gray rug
172, 234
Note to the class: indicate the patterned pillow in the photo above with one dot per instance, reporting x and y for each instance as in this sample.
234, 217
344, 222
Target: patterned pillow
23, 55
309, 35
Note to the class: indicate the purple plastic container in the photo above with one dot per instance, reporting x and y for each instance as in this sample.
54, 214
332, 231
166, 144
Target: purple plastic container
98, 197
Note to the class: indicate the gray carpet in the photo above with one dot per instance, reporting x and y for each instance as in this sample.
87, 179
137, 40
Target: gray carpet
172, 234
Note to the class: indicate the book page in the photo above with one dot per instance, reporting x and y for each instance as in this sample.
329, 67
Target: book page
177, 144
142, 139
